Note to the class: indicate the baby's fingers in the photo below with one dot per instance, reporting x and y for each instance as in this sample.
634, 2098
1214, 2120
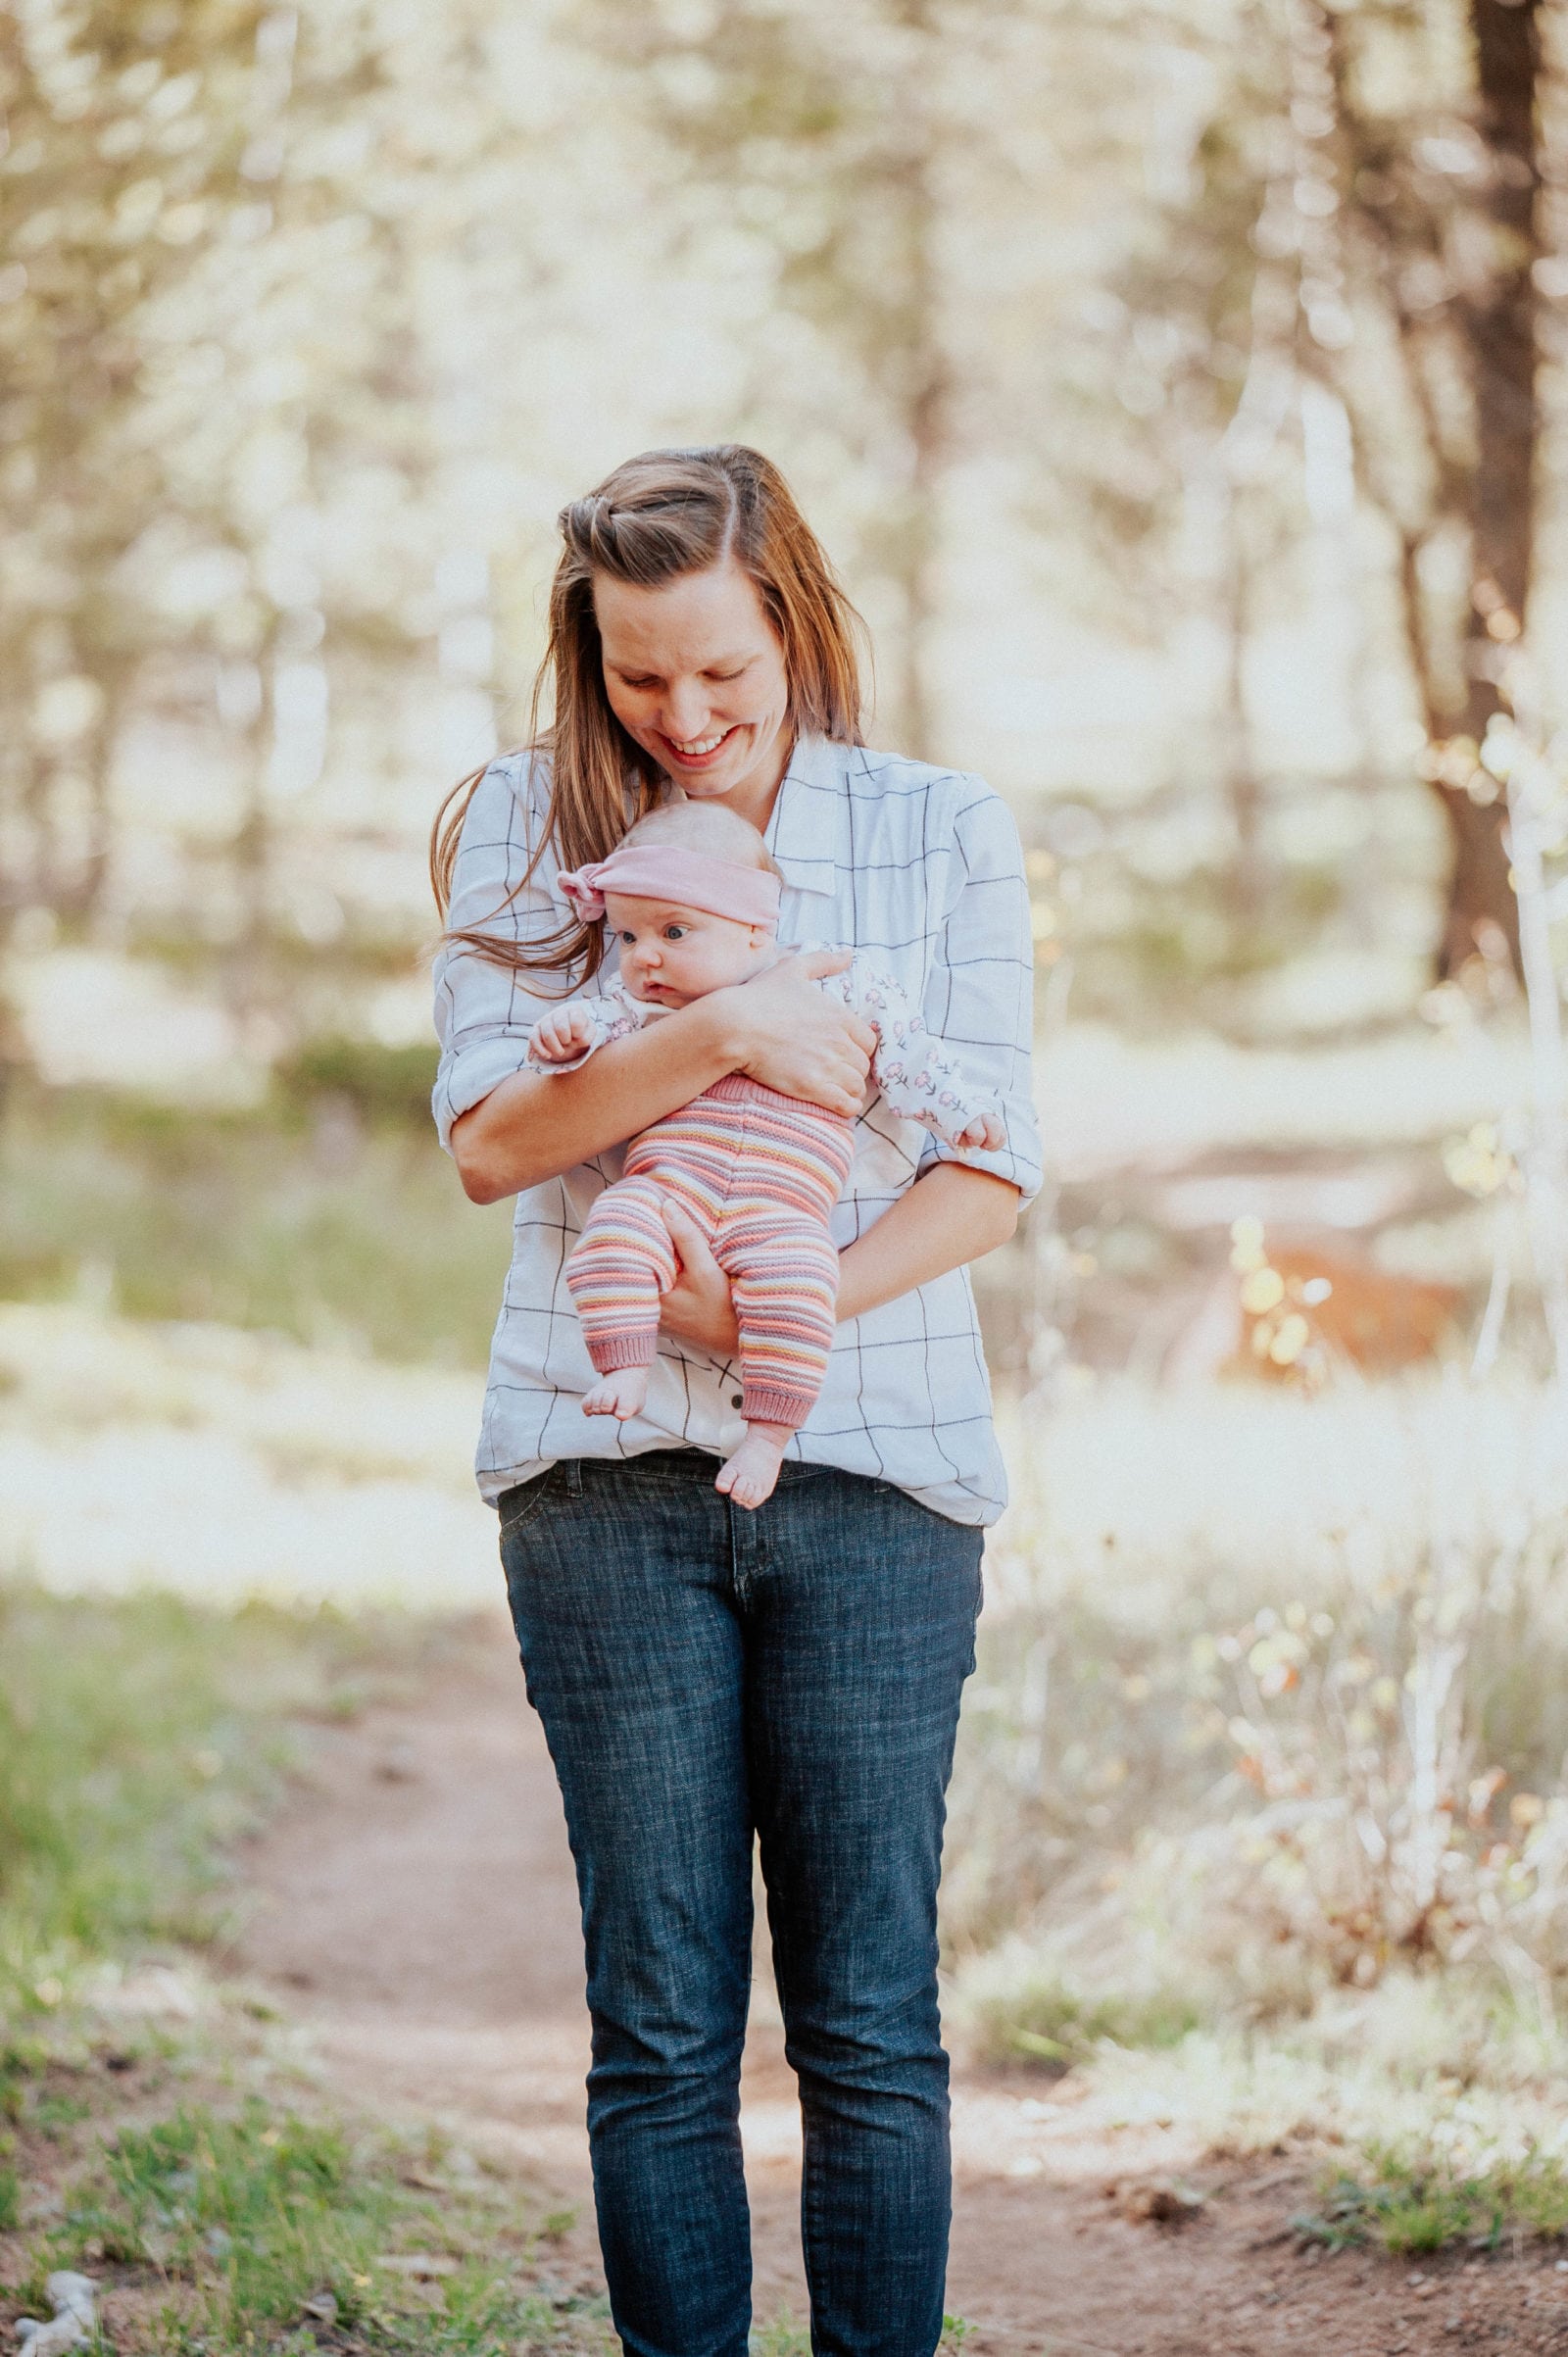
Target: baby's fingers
984, 1133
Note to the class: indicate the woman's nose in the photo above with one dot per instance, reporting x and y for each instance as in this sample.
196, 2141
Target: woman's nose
685, 714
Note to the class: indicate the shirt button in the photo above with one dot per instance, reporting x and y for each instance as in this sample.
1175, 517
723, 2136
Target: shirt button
735, 1398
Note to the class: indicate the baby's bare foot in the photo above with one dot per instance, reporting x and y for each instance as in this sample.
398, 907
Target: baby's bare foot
621, 1393
749, 1476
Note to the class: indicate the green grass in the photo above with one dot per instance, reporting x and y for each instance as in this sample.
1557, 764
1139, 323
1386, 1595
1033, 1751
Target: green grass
138, 1739
257, 2226
331, 1215
1415, 2207
1049, 2022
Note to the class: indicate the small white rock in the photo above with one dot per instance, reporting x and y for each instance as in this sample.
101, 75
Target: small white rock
75, 2319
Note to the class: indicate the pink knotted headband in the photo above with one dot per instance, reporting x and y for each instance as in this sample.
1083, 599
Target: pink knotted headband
663, 871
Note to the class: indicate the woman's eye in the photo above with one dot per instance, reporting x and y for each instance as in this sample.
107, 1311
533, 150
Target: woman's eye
723, 677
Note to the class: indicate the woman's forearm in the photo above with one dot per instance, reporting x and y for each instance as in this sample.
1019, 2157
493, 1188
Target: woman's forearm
538, 1124
780, 1028
951, 1216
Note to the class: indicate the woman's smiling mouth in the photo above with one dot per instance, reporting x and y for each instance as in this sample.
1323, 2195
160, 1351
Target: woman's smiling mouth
697, 750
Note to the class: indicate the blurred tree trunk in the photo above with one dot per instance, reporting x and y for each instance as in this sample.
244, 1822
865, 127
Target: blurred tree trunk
919, 367
1247, 878
250, 966
1497, 320
1483, 238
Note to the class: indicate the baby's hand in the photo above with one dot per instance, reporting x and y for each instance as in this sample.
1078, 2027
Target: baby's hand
562, 1034
984, 1131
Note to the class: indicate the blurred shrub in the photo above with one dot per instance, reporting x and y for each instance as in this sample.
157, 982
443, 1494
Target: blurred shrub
1412, 2204
386, 1083
1262, 1785
1045, 2020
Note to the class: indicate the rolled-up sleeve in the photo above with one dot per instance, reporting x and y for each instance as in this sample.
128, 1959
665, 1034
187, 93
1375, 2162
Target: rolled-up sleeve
484, 1011
980, 993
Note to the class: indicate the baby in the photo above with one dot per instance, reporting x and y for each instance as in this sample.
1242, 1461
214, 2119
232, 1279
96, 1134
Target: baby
692, 899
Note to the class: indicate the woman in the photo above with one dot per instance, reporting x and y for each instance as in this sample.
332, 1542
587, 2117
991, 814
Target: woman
704, 1672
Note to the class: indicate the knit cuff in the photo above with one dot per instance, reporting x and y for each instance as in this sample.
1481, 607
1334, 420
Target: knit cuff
607, 1351
764, 1404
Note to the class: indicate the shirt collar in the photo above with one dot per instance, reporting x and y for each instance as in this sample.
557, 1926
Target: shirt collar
809, 832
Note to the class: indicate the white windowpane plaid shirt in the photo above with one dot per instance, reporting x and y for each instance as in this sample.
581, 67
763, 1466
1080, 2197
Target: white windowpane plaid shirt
920, 869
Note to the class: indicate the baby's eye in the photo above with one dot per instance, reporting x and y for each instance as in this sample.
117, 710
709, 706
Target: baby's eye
674, 932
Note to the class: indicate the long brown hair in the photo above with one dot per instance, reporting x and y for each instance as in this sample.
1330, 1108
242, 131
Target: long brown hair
658, 517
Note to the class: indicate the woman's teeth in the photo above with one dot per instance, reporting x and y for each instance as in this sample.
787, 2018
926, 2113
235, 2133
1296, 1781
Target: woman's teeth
696, 747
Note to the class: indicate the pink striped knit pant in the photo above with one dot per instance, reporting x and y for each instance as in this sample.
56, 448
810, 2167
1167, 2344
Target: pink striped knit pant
758, 1173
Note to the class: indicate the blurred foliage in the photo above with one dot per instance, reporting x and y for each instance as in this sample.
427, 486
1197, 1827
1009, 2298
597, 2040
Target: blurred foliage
381, 1083
121, 165
1332, 325
328, 1216
1239, 1797
1174, 319
1045, 2020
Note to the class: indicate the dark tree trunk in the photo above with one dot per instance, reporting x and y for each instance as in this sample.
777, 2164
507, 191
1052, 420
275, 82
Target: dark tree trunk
1499, 321
1482, 912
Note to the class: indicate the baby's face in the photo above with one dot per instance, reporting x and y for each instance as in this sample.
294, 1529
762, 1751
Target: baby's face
670, 955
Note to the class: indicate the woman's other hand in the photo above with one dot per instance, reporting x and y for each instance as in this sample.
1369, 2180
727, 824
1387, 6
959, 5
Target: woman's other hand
696, 1308
561, 1034
792, 1037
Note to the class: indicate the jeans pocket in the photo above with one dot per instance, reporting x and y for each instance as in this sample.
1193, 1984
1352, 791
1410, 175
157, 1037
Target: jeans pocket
517, 1507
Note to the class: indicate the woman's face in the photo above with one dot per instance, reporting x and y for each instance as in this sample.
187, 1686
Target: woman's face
694, 672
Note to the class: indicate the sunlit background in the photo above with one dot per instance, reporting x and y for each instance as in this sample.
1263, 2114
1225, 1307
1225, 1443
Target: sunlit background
1181, 390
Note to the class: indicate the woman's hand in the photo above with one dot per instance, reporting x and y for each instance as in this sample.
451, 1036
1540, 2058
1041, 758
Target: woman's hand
696, 1308
792, 1037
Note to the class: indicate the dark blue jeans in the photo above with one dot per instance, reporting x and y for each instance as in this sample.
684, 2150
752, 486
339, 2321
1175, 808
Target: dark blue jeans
703, 1672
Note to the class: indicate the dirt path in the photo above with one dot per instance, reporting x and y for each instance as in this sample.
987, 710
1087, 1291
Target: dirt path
416, 1918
